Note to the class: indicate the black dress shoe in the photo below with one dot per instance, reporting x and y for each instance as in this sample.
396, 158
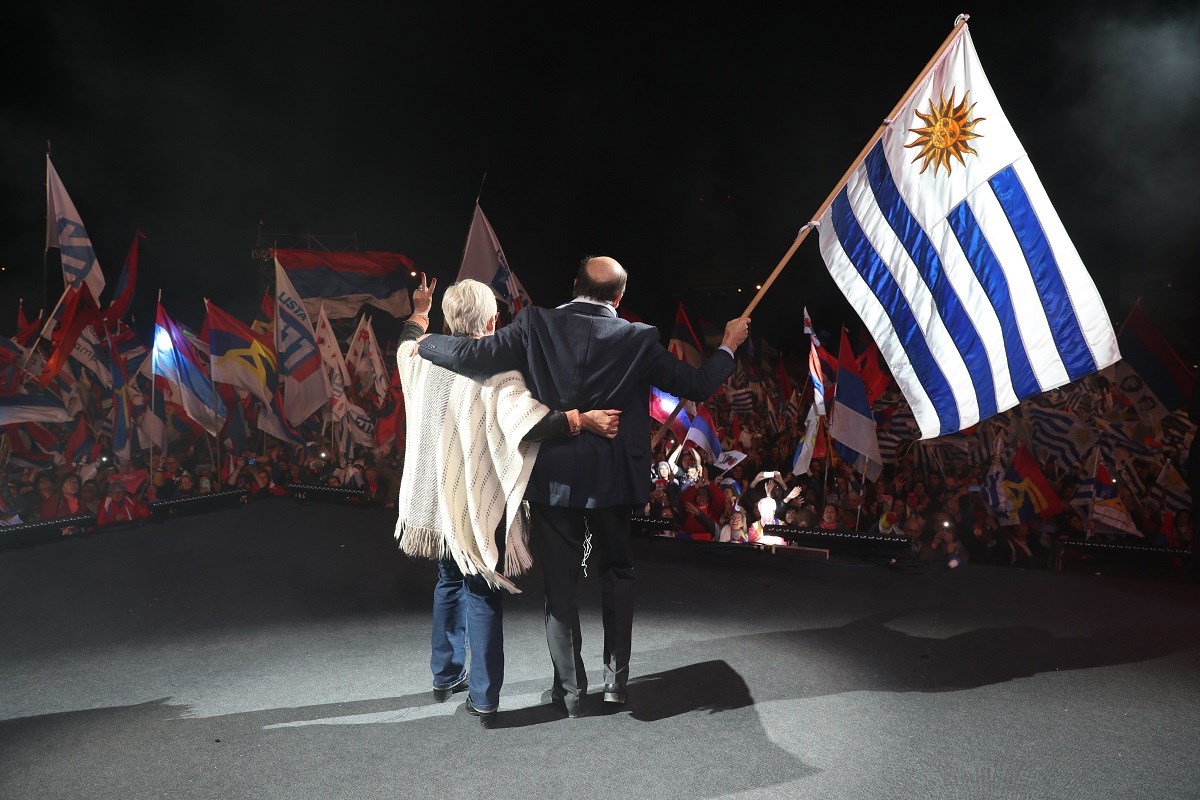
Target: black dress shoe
486, 718
572, 710
614, 694
442, 695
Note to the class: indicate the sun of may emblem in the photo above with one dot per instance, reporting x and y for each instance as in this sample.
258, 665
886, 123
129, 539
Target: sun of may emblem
948, 129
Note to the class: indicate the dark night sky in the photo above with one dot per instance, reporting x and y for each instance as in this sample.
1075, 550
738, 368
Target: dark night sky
682, 142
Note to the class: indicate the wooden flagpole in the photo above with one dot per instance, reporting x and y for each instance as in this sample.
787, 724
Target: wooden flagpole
959, 27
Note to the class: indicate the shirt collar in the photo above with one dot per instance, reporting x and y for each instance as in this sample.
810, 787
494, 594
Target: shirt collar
604, 304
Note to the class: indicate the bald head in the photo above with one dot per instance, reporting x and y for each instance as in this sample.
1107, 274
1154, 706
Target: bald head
600, 278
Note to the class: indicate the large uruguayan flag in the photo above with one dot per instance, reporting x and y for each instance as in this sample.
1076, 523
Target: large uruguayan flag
64, 230
947, 246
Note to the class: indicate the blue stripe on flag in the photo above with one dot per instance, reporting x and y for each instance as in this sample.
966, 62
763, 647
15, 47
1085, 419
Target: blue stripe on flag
879, 278
1072, 346
925, 257
991, 277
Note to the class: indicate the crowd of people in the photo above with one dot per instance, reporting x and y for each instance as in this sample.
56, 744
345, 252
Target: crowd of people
113, 490
946, 513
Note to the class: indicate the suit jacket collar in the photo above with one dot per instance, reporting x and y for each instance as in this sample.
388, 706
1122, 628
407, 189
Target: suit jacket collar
591, 309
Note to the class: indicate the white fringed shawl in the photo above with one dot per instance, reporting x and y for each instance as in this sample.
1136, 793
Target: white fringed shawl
464, 465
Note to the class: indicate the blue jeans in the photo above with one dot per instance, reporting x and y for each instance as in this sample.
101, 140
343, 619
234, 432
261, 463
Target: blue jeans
466, 611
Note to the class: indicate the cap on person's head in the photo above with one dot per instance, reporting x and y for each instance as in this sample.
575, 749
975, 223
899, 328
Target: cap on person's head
116, 486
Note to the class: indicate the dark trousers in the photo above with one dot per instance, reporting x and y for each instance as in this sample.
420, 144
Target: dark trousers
559, 536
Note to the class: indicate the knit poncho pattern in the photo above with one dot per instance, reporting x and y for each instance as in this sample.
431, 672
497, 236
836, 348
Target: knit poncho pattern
466, 468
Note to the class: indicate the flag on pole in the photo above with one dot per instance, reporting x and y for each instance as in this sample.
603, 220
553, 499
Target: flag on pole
484, 261
662, 405
364, 363
336, 373
187, 384
122, 297
683, 343
946, 244
64, 230
802, 458
703, 433
238, 356
1098, 501
351, 424
296, 352
78, 311
852, 424
122, 411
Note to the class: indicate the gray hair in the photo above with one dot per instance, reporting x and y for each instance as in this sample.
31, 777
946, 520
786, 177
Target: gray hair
468, 306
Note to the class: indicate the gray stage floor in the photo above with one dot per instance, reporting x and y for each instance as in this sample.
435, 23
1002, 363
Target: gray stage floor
281, 651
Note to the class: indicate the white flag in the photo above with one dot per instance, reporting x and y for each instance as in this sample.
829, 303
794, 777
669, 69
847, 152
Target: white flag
483, 260
304, 386
364, 362
64, 230
336, 373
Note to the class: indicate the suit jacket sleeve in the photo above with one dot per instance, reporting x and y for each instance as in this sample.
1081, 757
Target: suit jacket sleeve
479, 358
680, 378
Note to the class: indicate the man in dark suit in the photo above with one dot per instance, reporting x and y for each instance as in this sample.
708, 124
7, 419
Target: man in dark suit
583, 488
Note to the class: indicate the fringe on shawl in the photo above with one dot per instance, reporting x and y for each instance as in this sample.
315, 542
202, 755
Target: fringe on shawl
423, 543
517, 558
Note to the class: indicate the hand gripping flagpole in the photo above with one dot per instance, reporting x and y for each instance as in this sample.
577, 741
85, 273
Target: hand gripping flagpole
960, 25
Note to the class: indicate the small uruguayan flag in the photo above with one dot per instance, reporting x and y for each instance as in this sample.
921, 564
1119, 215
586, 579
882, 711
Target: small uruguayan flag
947, 246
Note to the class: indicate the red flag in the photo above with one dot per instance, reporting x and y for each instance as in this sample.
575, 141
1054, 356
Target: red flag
123, 294
22, 323
27, 332
874, 378
785, 383
79, 311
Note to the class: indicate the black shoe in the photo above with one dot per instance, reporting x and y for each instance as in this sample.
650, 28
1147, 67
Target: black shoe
614, 694
442, 695
486, 718
572, 710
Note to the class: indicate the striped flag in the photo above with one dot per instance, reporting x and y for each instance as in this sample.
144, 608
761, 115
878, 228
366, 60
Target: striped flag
946, 244
1097, 500
1171, 490
1059, 434
185, 383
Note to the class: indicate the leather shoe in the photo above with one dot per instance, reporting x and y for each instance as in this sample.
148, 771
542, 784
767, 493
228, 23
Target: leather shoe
614, 694
572, 710
486, 718
442, 695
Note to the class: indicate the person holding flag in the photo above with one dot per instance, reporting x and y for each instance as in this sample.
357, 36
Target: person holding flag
459, 502
583, 489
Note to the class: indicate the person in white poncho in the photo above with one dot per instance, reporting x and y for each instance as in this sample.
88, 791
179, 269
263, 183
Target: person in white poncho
470, 448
